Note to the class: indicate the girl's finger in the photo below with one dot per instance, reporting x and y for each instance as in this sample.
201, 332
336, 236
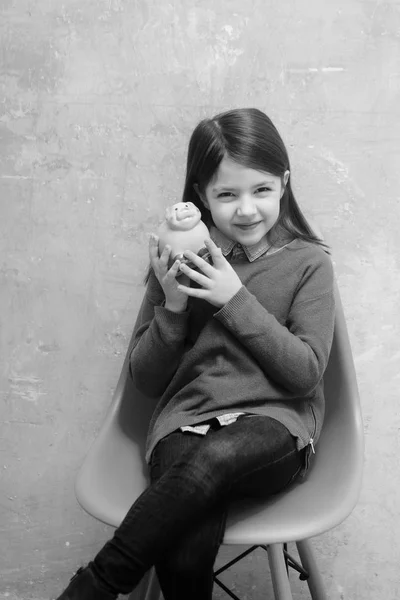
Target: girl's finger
195, 275
174, 270
200, 263
175, 273
216, 253
165, 257
153, 249
194, 292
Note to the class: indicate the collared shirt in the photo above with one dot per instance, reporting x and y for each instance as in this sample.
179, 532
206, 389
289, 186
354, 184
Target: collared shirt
227, 245
223, 420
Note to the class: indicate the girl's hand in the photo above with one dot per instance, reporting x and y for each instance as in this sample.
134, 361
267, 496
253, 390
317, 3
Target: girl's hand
175, 299
219, 281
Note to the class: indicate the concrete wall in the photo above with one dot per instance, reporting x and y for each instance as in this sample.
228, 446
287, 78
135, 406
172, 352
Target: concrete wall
98, 99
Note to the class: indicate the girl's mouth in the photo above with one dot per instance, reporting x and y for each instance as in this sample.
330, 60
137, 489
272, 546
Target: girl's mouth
246, 226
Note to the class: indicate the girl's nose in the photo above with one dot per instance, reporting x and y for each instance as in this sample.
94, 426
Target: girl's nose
246, 207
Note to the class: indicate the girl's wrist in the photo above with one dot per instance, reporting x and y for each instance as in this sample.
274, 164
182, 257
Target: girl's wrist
173, 307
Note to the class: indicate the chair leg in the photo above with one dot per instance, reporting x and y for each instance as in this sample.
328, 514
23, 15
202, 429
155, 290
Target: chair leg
279, 575
315, 583
148, 588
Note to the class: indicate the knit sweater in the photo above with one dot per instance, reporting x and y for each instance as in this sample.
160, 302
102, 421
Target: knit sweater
264, 352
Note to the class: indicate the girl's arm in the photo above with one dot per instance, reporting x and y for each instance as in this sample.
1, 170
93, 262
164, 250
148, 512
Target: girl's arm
158, 343
294, 355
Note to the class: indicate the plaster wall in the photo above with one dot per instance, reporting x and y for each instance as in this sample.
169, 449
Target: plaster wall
97, 103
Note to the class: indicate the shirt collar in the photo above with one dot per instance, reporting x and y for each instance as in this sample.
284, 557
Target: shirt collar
227, 245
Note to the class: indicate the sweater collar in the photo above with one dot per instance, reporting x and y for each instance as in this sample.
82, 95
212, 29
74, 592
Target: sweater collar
252, 252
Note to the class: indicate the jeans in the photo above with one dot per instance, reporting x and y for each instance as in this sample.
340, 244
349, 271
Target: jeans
178, 522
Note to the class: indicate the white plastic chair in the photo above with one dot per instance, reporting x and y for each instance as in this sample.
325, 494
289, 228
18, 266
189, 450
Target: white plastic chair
114, 474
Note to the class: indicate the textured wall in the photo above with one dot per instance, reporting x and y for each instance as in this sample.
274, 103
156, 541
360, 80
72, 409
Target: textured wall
98, 99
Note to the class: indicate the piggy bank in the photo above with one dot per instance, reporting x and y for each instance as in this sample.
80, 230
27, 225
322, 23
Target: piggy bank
183, 229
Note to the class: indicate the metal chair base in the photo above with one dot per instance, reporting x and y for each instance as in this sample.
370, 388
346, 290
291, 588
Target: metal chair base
279, 561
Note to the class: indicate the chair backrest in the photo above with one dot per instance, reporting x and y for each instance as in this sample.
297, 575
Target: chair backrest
114, 472
335, 477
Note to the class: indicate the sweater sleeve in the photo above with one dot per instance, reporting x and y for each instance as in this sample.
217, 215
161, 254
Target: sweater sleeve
158, 343
296, 354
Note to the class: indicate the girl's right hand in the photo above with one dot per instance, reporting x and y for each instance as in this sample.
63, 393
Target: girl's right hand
175, 300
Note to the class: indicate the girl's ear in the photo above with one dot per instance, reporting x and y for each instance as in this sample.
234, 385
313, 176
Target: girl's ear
286, 176
202, 197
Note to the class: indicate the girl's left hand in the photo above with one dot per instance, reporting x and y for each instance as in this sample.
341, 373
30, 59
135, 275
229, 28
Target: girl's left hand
219, 281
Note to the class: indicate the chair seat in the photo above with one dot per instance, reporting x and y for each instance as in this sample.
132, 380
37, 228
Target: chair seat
106, 488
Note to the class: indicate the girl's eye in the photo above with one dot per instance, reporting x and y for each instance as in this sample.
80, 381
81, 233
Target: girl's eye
258, 191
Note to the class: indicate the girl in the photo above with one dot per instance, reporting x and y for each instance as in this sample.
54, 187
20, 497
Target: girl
235, 350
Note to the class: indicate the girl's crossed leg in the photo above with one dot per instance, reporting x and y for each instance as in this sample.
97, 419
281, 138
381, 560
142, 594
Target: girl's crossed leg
178, 522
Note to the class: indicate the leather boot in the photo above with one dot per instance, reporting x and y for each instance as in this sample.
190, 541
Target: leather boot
85, 586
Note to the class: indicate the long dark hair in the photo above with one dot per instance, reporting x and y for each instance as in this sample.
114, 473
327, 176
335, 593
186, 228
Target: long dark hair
248, 137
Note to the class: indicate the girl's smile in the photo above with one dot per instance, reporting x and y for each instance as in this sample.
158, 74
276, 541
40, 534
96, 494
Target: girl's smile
247, 226
244, 203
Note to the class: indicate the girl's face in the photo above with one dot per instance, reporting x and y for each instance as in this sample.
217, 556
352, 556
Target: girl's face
244, 203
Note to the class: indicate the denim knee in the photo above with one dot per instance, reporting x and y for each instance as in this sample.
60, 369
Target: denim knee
186, 563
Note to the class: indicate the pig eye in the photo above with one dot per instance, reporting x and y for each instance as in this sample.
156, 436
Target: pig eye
176, 210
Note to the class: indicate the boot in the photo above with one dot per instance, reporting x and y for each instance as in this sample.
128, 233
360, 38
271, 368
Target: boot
84, 585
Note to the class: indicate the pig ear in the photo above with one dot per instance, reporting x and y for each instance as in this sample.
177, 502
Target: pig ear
201, 195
